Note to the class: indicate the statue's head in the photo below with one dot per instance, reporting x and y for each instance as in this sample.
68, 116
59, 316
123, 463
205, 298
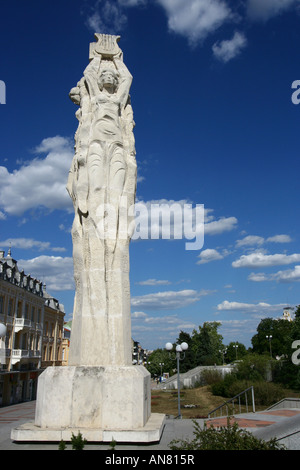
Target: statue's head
108, 78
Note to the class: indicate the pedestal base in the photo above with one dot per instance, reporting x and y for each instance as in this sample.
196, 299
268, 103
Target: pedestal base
103, 403
151, 432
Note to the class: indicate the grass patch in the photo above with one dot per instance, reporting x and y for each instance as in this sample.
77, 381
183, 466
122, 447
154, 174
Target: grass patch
165, 401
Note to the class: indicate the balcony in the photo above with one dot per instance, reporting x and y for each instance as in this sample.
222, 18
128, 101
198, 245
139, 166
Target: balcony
23, 323
18, 354
6, 319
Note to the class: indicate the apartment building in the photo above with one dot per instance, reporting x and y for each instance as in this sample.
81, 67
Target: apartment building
34, 332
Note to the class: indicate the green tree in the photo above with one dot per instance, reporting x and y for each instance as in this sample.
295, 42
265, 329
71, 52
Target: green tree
235, 350
295, 334
188, 362
160, 356
286, 372
253, 367
206, 344
279, 344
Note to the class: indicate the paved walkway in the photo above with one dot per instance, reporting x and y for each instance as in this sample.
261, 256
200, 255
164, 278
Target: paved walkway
267, 424
255, 420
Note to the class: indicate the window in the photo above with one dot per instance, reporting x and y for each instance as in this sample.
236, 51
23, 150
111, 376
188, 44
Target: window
10, 307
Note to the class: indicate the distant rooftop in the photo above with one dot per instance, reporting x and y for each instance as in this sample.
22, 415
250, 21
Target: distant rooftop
10, 272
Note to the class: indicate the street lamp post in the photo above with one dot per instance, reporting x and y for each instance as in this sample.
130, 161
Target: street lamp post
180, 348
223, 352
269, 337
161, 365
236, 346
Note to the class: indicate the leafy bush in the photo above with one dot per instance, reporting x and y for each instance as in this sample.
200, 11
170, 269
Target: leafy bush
268, 393
253, 367
210, 376
224, 438
62, 445
265, 393
78, 442
221, 388
287, 373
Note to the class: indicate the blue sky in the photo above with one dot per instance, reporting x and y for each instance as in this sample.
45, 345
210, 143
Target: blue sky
215, 125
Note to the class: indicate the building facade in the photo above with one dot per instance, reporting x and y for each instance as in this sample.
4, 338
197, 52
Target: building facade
34, 329
66, 342
53, 332
288, 314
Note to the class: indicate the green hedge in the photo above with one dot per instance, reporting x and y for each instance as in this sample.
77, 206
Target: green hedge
229, 437
265, 393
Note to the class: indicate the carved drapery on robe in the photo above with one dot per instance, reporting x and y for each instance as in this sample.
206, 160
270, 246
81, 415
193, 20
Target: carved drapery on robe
102, 185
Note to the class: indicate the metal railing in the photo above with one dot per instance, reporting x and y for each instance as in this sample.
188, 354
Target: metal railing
232, 400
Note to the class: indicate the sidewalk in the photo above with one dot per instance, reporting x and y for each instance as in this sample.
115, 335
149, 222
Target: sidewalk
266, 424
15, 415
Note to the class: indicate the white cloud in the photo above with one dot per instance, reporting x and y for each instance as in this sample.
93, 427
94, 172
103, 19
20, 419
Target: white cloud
233, 329
184, 223
224, 224
131, 3
206, 256
289, 275
258, 260
252, 240
258, 277
138, 315
106, 16
262, 10
40, 182
195, 19
228, 49
279, 239
167, 319
260, 307
55, 271
110, 16
154, 282
29, 243
168, 300
160, 329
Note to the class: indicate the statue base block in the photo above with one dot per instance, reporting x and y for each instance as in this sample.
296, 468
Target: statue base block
103, 403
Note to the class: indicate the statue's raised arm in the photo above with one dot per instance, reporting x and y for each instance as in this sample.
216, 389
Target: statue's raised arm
125, 81
91, 75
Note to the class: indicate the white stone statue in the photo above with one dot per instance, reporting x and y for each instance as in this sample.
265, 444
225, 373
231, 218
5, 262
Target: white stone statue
100, 392
102, 185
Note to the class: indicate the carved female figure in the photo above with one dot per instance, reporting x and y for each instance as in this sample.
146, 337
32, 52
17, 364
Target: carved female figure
102, 174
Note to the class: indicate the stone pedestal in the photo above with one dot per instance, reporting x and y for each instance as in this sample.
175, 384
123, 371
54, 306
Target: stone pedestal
103, 403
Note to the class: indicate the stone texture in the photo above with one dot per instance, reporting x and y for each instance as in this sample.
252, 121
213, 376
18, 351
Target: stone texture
93, 397
102, 185
100, 393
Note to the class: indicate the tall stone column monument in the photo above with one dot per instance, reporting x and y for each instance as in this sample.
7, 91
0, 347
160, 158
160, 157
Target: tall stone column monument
102, 184
100, 393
